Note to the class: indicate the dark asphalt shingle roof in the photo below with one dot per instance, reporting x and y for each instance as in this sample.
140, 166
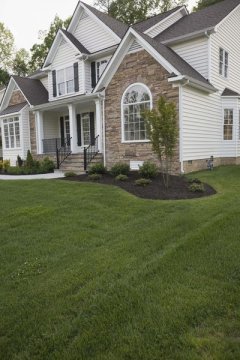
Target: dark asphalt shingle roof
116, 26
75, 42
148, 23
200, 20
229, 92
175, 60
32, 89
13, 109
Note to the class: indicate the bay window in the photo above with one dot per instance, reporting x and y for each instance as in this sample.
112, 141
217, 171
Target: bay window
11, 133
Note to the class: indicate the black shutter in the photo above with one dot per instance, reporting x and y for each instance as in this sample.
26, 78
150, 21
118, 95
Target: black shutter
76, 79
93, 74
54, 83
79, 130
62, 130
92, 128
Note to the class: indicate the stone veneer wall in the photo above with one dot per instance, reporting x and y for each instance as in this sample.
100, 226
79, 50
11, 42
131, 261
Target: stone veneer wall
16, 98
33, 140
136, 67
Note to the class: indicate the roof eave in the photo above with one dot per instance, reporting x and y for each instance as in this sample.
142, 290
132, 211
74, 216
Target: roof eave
205, 32
187, 80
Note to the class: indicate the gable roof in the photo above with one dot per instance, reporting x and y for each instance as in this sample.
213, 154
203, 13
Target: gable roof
32, 89
75, 42
13, 109
148, 23
201, 20
116, 26
229, 92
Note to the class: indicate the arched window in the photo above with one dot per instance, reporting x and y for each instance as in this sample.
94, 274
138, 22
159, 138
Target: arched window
135, 100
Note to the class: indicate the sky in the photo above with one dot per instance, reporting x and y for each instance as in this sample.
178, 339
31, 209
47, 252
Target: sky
26, 18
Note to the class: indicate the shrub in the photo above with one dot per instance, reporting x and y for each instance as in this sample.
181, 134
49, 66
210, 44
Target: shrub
196, 187
97, 168
6, 165
15, 170
142, 182
148, 170
120, 168
121, 177
46, 166
19, 161
1, 165
194, 181
95, 177
29, 160
70, 174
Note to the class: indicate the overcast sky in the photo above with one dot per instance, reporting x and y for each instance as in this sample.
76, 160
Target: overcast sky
26, 17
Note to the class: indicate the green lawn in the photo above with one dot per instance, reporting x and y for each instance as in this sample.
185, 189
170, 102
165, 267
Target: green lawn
91, 272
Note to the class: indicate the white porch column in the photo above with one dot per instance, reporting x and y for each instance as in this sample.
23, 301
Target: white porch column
73, 127
39, 132
99, 123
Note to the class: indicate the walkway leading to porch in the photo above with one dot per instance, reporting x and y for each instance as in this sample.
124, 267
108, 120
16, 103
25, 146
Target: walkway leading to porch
55, 175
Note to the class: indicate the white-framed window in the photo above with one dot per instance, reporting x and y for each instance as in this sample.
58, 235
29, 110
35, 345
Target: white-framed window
100, 67
223, 62
228, 124
11, 133
136, 99
65, 81
86, 131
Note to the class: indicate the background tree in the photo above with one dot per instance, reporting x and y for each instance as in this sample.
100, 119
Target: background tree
6, 47
131, 11
162, 131
20, 65
4, 77
39, 51
201, 4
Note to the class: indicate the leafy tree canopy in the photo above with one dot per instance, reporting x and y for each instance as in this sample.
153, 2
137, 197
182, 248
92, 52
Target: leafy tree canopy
20, 65
6, 47
131, 11
39, 51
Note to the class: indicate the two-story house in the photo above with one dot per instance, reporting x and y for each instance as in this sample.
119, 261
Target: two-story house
100, 75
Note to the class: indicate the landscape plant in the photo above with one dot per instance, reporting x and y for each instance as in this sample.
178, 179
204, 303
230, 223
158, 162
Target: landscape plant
161, 125
120, 168
97, 168
148, 170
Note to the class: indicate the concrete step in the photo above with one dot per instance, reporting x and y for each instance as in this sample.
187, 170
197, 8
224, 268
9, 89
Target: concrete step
75, 163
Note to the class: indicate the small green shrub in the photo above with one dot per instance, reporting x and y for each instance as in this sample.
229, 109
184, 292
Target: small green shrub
142, 182
46, 165
70, 174
19, 161
95, 177
196, 187
1, 165
120, 168
15, 170
5, 165
29, 160
194, 181
148, 170
97, 168
121, 177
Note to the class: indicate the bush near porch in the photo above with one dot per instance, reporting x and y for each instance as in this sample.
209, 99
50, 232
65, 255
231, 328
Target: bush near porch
91, 272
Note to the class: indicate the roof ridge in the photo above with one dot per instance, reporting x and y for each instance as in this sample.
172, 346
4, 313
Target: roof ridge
162, 13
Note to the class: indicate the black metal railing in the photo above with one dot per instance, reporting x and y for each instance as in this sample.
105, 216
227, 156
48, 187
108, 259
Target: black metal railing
64, 151
49, 145
90, 152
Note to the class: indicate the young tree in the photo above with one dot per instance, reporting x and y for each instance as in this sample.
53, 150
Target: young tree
131, 11
6, 47
4, 77
201, 4
20, 65
39, 51
162, 131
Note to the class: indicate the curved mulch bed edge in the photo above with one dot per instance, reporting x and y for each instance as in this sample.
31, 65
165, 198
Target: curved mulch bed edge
178, 187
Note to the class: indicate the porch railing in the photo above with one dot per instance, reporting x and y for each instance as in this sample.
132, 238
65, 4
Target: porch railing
90, 152
50, 145
63, 152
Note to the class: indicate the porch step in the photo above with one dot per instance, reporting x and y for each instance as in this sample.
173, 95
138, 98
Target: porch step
75, 163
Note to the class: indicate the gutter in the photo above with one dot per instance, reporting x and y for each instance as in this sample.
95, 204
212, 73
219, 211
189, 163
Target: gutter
205, 32
194, 83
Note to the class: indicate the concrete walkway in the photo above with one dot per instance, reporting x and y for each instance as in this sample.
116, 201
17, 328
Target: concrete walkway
55, 175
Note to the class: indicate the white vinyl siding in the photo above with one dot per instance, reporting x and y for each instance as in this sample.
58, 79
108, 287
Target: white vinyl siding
88, 79
195, 52
164, 24
65, 57
93, 35
226, 37
44, 81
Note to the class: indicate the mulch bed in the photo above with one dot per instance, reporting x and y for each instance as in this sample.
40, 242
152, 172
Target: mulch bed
178, 187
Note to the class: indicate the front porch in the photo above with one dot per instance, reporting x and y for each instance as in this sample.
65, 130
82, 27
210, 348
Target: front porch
72, 128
